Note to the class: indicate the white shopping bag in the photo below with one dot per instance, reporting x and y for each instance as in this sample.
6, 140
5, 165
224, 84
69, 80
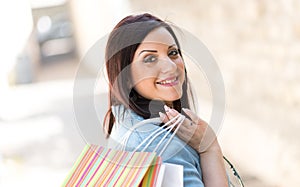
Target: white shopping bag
170, 175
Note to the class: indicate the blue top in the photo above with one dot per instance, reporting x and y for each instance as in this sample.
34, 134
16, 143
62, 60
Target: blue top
177, 152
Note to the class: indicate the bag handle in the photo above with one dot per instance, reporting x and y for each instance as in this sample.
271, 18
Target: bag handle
161, 130
177, 126
169, 126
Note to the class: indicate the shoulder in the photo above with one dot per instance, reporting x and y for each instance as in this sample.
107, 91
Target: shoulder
128, 123
125, 116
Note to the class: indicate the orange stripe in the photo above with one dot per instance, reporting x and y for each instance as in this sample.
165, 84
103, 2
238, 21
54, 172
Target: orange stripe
84, 163
123, 157
99, 165
136, 172
149, 177
156, 170
108, 169
96, 156
124, 168
76, 171
137, 164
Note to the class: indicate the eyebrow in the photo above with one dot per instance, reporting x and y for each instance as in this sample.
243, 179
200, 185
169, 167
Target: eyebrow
148, 50
171, 46
155, 51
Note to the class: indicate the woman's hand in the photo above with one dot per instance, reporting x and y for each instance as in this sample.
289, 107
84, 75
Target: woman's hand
198, 134
194, 132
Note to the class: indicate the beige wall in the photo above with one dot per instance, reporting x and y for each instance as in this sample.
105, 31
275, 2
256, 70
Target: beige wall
95, 18
256, 44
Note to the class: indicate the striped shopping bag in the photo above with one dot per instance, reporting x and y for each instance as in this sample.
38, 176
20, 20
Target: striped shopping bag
101, 166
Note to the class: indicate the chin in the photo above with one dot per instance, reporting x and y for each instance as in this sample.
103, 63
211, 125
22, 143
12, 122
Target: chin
172, 98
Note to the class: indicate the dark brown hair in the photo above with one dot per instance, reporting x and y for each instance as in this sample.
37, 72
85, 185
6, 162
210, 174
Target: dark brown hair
122, 43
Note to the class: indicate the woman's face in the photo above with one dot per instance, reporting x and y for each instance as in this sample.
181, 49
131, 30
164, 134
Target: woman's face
157, 68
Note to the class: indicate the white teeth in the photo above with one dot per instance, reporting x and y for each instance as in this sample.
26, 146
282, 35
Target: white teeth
167, 81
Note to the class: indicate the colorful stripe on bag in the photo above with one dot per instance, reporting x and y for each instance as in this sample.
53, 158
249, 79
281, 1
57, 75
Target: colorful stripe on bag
152, 173
100, 166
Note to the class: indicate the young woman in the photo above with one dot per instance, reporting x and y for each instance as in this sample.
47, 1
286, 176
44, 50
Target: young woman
148, 80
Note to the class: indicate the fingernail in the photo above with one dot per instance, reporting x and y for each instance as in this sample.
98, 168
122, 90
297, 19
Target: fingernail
161, 115
184, 109
166, 108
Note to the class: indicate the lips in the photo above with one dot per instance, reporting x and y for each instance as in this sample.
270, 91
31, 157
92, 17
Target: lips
168, 82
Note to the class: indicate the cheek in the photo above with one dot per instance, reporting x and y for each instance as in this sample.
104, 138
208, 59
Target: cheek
142, 79
136, 75
145, 83
143, 74
179, 62
180, 67
145, 87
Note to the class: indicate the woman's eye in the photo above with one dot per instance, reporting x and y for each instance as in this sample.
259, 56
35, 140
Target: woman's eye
150, 58
173, 52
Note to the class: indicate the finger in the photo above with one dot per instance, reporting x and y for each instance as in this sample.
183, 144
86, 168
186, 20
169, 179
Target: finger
171, 113
163, 117
187, 123
192, 115
191, 135
185, 134
187, 127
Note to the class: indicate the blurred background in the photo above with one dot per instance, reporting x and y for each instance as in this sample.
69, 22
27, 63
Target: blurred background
255, 43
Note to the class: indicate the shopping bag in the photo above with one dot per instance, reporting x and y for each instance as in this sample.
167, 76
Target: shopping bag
100, 166
172, 175
169, 175
152, 174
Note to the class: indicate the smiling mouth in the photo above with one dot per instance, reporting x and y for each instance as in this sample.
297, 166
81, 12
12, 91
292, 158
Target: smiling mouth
169, 82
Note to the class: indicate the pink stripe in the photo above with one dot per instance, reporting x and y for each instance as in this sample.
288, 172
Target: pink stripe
115, 168
123, 169
139, 171
115, 156
98, 167
89, 166
78, 169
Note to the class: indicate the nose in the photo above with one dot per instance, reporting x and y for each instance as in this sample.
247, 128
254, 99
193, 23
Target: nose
167, 65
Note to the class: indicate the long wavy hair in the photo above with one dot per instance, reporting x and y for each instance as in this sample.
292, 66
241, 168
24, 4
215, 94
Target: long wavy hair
122, 43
